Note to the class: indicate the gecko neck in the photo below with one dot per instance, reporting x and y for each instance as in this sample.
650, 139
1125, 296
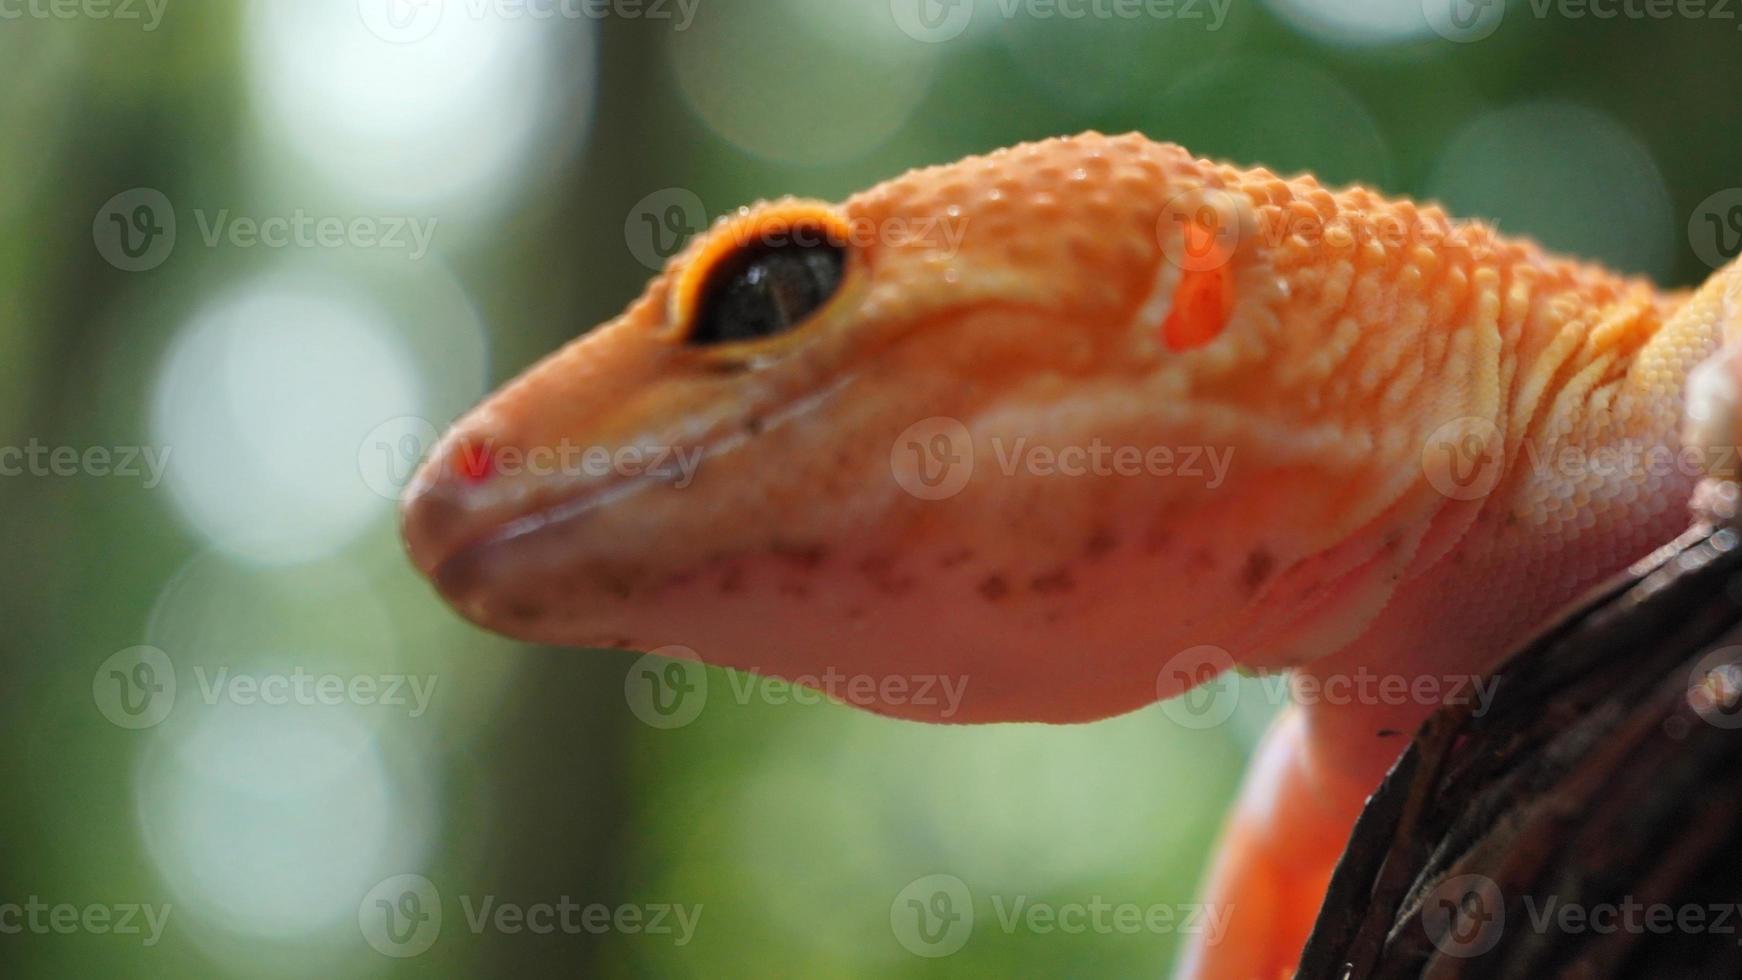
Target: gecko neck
1590, 479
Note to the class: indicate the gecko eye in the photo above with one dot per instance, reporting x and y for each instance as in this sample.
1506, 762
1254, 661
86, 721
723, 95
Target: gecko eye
767, 289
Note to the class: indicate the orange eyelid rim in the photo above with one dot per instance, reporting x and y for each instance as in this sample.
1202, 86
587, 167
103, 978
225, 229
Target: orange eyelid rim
1204, 298
773, 225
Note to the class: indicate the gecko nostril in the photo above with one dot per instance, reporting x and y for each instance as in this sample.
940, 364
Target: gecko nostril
474, 460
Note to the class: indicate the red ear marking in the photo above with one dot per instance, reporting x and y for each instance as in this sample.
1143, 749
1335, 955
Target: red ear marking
1201, 304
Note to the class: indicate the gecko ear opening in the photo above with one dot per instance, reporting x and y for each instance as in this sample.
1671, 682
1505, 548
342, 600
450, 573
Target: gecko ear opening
1201, 233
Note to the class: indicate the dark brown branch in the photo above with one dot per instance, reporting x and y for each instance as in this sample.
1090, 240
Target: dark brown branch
1604, 780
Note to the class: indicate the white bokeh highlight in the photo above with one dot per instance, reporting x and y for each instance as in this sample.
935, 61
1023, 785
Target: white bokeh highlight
1356, 22
454, 118
262, 403
1569, 175
772, 76
271, 822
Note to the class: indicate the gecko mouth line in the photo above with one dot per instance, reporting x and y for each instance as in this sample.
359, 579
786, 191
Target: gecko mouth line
458, 570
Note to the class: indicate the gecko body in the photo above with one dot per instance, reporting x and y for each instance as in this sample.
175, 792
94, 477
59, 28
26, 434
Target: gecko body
963, 453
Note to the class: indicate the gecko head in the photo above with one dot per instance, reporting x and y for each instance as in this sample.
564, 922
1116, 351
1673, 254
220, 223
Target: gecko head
1017, 428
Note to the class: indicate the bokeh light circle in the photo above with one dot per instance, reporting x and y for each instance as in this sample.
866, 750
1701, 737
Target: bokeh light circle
1287, 115
798, 81
1570, 176
261, 404
1358, 23
270, 822
451, 114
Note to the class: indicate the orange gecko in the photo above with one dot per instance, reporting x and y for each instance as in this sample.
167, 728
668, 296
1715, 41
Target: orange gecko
945, 430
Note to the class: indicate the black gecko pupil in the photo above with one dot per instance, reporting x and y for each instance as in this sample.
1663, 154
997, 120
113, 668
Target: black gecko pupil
767, 290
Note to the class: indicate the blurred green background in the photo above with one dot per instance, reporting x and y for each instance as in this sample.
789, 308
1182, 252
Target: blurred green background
459, 187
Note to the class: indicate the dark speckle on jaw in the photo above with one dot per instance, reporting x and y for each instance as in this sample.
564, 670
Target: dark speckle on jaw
805, 558
1202, 560
731, 580
955, 558
1257, 569
880, 571
1054, 582
1100, 543
994, 588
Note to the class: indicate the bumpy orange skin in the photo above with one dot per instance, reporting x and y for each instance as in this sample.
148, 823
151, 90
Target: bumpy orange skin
1057, 296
